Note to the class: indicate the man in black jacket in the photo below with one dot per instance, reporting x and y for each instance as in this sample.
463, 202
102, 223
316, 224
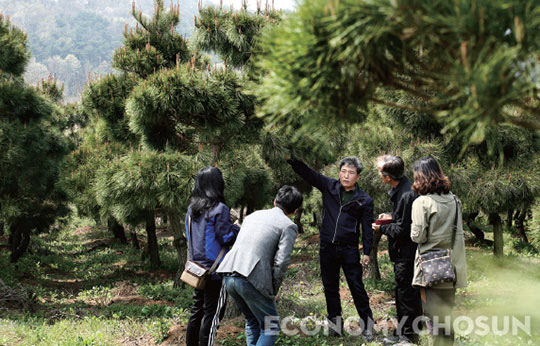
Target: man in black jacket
345, 208
400, 246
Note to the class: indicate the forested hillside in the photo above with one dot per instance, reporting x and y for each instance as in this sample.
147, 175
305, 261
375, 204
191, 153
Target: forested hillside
72, 38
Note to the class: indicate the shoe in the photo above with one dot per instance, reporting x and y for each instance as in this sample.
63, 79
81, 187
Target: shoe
367, 334
391, 340
397, 341
335, 326
404, 341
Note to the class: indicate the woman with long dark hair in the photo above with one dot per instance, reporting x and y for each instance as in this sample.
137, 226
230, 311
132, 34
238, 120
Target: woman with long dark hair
209, 230
433, 219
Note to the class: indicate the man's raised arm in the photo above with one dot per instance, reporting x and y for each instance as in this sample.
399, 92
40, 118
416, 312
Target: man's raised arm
313, 177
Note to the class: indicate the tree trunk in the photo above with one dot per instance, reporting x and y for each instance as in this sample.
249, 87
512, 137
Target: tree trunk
177, 228
231, 310
314, 222
241, 217
116, 229
478, 233
520, 220
152, 246
509, 218
216, 150
317, 219
1, 228
19, 240
133, 237
374, 271
298, 219
498, 241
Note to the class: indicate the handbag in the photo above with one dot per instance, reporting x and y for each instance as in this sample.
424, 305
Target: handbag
437, 266
195, 274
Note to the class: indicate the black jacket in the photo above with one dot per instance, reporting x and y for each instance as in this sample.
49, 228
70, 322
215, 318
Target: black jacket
400, 246
341, 224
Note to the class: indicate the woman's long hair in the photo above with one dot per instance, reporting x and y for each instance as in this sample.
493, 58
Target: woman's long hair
429, 177
208, 190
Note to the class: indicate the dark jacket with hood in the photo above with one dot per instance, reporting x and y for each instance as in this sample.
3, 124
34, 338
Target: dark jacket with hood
341, 223
400, 246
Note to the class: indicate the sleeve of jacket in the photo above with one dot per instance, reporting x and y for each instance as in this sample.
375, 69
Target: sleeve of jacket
367, 230
282, 257
400, 228
420, 222
226, 231
313, 177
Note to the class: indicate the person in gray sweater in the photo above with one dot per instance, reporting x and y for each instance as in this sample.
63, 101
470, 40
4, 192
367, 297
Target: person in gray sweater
256, 265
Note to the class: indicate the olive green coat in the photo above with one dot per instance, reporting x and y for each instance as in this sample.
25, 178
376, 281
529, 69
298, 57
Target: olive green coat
432, 223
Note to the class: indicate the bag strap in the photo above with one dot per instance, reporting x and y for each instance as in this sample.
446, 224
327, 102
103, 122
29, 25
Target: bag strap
189, 237
454, 228
218, 259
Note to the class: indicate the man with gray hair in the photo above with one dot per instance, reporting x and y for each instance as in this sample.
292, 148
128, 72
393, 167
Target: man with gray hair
345, 208
401, 248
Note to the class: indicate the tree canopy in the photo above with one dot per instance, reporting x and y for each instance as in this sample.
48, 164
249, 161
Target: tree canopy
473, 63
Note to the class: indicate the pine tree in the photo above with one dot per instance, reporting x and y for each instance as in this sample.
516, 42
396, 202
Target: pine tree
472, 62
194, 109
490, 180
153, 45
456, 70
167, 106
31, 148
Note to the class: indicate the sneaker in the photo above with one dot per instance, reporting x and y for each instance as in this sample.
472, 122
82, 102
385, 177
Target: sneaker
397, 341
391, 340
367, 334
404, 341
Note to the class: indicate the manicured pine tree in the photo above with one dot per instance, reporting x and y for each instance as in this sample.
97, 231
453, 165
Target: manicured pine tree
234, 35
154, 44
32, 147
195, 109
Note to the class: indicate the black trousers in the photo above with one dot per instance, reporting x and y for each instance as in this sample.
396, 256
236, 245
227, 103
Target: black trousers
202, 313
438, 308
333, 258
408, 301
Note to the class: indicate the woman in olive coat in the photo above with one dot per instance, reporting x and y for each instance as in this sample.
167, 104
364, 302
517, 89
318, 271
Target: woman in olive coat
433, 217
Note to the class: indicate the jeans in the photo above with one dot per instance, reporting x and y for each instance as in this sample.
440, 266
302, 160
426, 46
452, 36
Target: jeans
333, 258
204, 308
257, 308
408, 302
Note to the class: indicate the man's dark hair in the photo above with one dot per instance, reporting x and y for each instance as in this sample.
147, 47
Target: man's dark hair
289, 199
208, 190
391, 166
351, 161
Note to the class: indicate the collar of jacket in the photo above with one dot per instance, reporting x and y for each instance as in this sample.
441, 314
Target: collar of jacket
394, 191
283, 211
336, 190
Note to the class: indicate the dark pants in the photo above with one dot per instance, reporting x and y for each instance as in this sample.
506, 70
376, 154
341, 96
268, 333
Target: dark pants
202, 312
408, 302
438, 308
332, 258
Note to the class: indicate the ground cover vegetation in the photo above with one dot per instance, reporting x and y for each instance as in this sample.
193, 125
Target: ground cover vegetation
93, 194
